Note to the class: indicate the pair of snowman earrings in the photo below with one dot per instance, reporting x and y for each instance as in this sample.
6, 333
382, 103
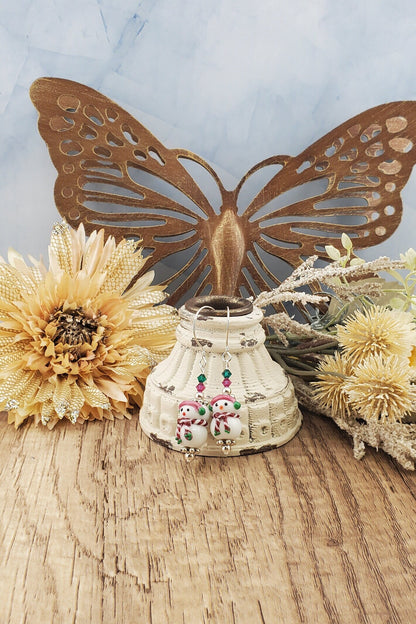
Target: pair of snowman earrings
193, 417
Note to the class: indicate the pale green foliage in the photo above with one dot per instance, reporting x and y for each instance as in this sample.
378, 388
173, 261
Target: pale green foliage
399, 294
346, 242
409, 259
333, 252
346, 259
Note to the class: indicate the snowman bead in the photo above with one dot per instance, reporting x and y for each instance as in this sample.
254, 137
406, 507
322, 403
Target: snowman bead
225, 424
191, 427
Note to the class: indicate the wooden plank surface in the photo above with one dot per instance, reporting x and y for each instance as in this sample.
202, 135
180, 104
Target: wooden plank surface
98, 524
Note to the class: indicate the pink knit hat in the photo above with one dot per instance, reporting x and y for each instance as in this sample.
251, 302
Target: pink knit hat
194, 404
222, 397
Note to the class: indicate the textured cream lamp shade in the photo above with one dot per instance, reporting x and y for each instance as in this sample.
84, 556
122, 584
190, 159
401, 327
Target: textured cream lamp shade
269, 411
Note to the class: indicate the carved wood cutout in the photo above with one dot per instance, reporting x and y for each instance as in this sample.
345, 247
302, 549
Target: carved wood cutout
113, 173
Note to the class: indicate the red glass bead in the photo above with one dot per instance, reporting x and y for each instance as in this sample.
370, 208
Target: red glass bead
226, 383
200, 387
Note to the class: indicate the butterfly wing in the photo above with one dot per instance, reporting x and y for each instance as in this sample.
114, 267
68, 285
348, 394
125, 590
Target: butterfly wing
113, 173
348, 181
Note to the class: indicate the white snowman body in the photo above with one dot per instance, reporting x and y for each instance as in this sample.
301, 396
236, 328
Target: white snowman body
192, 425
225, 423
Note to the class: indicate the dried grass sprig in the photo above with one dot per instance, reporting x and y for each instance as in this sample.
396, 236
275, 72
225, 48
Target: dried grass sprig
395, 438
299, 297
366, 288
355, 362
306, 274
284, 325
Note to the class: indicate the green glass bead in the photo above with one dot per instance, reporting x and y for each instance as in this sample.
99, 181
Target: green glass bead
201, 378
226, 373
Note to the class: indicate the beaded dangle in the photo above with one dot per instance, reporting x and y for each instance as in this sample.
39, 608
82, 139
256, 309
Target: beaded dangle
192, 422
225, 424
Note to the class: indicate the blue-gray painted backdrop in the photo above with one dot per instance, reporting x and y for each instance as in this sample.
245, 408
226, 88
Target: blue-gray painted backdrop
233, 80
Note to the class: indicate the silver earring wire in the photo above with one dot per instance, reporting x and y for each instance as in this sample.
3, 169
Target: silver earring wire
226, 356
203, 359
227, 328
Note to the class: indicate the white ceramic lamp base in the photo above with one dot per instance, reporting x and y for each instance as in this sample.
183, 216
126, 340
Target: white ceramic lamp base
269, 411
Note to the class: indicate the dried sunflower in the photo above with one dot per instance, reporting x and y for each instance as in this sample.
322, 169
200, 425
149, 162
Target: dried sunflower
377, 331
380, 388
76, 340
332, 373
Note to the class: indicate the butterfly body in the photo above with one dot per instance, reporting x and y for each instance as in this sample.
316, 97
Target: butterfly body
113, 173
228, 249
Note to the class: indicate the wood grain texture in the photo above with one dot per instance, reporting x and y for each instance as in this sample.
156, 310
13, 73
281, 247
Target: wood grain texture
98, 524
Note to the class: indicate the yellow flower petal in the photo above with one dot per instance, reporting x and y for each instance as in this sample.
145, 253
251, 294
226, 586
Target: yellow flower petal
111, 390
124, 264
61, 396
94, 396
73, 342
60, 249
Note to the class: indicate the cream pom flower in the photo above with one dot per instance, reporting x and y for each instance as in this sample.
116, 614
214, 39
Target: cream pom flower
332, 373
77, 341
380, 388
377, 331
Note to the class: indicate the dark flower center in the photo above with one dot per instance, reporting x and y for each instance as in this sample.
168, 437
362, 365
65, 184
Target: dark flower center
73, 327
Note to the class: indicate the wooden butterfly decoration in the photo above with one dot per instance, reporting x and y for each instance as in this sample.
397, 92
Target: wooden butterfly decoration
112, 172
